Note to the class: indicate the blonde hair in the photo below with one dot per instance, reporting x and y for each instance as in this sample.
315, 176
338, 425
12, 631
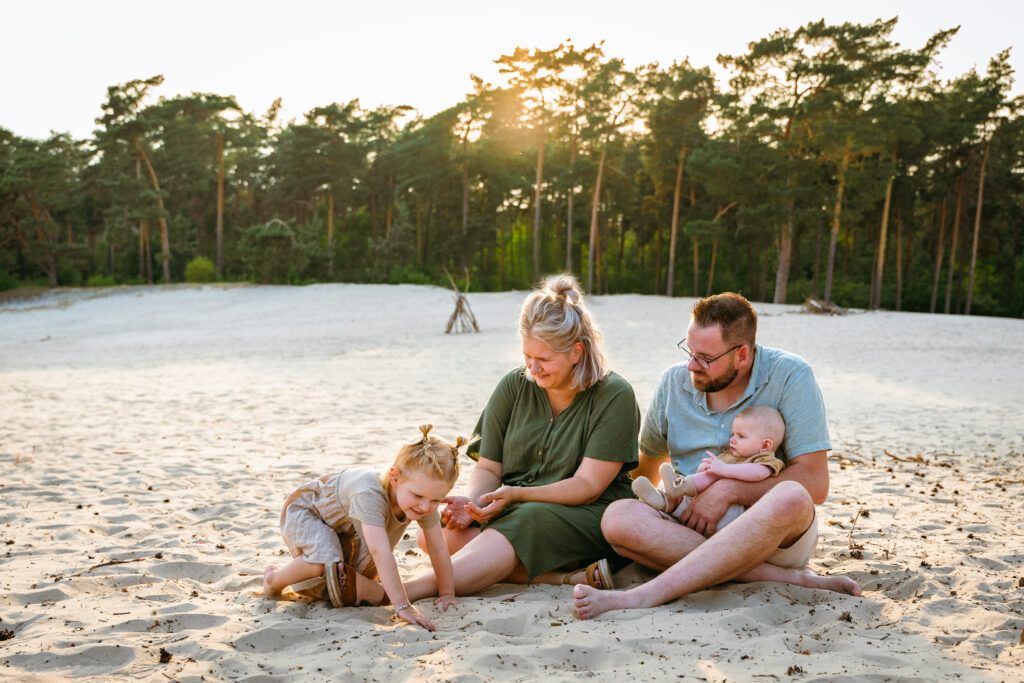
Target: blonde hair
766, 421
555, 314
432, 456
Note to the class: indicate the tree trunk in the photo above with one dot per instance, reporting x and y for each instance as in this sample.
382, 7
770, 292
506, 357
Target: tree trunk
465, 200
674, 230
837, 212
883, 235
955, 239
657, 259
330, 236
419, 235
938, 254
165, 243
568, 203
389, 208
816, 277
711, 267
899, 262
977, 230
538, 180
594, 204
220, 204
142, 252
785, 251
696, 265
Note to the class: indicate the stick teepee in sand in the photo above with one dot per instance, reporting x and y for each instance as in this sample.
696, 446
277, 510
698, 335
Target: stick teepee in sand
462, 318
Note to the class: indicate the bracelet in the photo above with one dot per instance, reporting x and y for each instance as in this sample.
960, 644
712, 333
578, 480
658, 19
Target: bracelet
404, 605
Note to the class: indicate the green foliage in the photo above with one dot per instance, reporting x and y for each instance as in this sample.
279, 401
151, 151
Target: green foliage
200, 269
7, 281
100, 281
272, 254
749, 170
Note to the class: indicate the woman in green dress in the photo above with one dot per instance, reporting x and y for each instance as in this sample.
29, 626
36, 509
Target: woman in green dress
557, 439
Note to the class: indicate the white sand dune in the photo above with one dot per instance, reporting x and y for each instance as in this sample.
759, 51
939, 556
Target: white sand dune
149, 435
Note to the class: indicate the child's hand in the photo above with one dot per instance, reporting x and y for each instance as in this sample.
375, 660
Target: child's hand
414, 617
445, 601
454, 515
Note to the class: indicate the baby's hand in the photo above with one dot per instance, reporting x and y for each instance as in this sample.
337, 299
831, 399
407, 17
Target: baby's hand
714, 465
707, 462
445, 601
414, 617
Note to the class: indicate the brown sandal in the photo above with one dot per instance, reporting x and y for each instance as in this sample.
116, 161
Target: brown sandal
598, 575
340, 592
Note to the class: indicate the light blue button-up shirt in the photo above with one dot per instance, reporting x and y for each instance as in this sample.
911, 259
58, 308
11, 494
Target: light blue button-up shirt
680, 424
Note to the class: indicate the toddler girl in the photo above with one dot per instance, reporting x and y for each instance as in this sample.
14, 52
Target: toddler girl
341, 530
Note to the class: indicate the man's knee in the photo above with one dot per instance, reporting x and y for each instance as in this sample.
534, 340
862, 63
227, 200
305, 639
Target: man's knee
790, 501
619, 521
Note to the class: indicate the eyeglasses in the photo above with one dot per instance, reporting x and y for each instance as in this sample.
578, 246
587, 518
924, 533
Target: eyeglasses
703, 362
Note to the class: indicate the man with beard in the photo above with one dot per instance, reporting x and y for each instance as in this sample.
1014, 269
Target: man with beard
690, 413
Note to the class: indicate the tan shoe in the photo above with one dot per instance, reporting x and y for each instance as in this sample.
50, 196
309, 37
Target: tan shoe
676, 485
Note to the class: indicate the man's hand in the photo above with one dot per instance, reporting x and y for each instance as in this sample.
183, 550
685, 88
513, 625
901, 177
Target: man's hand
708, 507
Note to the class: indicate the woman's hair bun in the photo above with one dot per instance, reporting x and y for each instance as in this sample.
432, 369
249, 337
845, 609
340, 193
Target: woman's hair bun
566, 286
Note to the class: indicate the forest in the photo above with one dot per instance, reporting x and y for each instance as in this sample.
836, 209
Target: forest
828, 161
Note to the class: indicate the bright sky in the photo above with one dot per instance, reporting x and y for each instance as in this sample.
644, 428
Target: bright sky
57, 58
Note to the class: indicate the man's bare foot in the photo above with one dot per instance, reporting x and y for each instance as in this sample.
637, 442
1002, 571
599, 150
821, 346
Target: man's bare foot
589, 602
268, 579
839, 584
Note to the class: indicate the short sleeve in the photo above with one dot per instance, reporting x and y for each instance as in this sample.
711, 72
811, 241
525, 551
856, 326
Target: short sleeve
614, 426
369, 507
654, 434
803, 410
489, 435
770, 461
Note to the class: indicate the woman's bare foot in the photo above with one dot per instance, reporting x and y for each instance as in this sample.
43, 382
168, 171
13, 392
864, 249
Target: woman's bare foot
268, 582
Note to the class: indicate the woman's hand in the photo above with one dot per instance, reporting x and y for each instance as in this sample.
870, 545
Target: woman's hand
496, 502
454, 515
445, 601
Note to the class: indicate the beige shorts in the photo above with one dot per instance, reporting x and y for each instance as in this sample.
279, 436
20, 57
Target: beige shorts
794, 556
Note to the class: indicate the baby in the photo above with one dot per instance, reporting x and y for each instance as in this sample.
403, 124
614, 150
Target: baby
341, 530
756, 433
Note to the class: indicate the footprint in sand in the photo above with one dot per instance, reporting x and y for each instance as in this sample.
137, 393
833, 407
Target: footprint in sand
202, 572
39, 597
88, 660
167, 624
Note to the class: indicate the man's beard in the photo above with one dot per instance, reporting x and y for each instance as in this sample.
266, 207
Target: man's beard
710, 386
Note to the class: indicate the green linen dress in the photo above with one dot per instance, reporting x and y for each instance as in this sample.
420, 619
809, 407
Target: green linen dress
517, 430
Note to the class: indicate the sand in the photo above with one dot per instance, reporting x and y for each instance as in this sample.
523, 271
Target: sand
149, 435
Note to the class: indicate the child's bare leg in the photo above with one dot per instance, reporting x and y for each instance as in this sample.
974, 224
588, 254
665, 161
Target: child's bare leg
275, 580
